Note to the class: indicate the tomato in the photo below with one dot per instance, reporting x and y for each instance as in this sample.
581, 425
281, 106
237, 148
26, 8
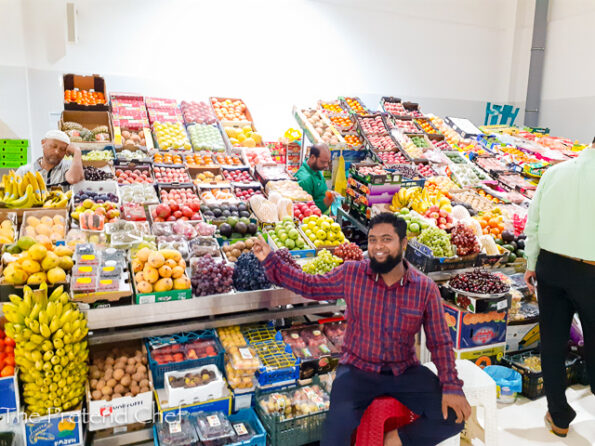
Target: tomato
2, 345
8, 349
9, 360
9, 341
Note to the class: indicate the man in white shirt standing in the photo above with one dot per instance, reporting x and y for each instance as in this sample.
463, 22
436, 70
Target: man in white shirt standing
55, 170
560, 247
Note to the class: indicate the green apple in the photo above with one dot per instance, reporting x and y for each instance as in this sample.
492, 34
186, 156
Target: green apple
293, 234
299, 243
414, 227
289, 243
283, 236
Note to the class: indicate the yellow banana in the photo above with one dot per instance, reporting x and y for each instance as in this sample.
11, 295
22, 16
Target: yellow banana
26, 200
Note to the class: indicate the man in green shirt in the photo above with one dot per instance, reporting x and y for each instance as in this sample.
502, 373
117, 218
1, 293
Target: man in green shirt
310, 178
560, 247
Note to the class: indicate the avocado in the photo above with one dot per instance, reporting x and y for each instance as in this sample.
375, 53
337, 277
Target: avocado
244, 214
509, 248
225, 213
514, 245
216, 212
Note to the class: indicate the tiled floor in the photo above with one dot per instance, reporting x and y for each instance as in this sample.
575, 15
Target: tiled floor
522, 423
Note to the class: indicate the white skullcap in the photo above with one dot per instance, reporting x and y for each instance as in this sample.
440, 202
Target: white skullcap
57, 135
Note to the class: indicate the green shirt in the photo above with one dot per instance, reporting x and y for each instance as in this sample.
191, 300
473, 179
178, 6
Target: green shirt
562, 214
313, 183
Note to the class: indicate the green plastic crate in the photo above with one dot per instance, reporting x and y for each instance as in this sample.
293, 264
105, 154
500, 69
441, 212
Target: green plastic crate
7, 164
14, 157
14, 142
14, 149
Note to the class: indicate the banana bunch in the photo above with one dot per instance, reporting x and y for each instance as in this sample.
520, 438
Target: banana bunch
418, 199
57, 199
50, 349
405, 197
23, 192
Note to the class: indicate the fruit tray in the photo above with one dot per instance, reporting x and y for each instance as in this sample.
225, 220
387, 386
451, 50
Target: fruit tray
371, 125
369, 179
528, 364
290, 430
181, 344
404, 124
354, 105
426, 125
422, 258
199, 384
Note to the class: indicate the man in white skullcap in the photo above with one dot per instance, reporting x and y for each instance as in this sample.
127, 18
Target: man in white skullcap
55, 170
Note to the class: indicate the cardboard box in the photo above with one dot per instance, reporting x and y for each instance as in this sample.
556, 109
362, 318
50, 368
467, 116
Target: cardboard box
481, 304
483, 356
55, 430
9, 394
223, 404
89, 120
469, 330
161, 296
522, 336
93, 82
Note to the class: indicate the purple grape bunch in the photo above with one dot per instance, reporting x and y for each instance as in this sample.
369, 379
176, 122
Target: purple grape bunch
286, 256
210, 277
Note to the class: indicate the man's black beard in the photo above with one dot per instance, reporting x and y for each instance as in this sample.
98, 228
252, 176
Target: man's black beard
386, 266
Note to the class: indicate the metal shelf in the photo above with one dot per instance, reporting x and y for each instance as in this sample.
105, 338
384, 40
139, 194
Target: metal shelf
124, 316
341, 214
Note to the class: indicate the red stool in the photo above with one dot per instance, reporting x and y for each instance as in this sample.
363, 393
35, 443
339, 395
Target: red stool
383, 415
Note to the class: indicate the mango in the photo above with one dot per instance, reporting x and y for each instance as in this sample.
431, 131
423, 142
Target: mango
50, 261
37, 278
177, 272
63, 250
151, 274
171, 254
144, 287
37, 251
165, 271
143, 254
66, 263
182, 283
25, 243
164, 284
31, 266
156, 260
56, 275
15, 275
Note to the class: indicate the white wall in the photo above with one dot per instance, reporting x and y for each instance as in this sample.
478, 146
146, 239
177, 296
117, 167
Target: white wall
451, 56
568, 92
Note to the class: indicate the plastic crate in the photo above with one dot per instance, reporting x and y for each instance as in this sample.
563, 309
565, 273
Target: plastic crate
259, 332
533, 381
279, 365
295, 431
248, 415
422, 258
159, 370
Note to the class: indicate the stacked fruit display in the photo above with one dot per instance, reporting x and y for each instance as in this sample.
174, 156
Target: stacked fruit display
492, 222
395, 108
117, 373
437, 240
171, 175
324, 132
322, 231
415, 223
94, 174
95, 197
105, 213
258, 156
478, 282
441, 217
134, 138
349, 251
202, 159
50, 349
383, 143
210, 277
392, 158
355, 106
426, 126
425, 170
353, 140
464, 238
234, 227
513, 243
83, 97
156, 271
302, 210
243, 137
322, 263
229, 110
171, 136
205, 137
236, 249
410, 148
209, 177
7, 231
45, 229
238, 175
6, 355
244, 193
286, 235
248, 274
228, 160
130, 176
406, 126
36, 264
181, 195
371, 170
184, 208
199, 112
167, 158
442, 145
372, 126
224, 210
341, 123
23, 192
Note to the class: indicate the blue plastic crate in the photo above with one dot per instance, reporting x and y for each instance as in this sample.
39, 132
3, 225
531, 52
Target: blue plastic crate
248, 415
280, 365
159, 370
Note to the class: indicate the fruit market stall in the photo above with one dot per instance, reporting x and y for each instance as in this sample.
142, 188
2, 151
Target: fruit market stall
136, 292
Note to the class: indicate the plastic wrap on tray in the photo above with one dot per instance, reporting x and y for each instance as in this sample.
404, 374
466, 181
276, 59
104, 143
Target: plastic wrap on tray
335, 331
177, 431
244, 430
201, 246
243, 358
214, 429
302, 401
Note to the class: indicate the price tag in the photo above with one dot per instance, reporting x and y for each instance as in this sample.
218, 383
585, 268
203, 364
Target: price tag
175, 427
245, 353
213, 421
240, 429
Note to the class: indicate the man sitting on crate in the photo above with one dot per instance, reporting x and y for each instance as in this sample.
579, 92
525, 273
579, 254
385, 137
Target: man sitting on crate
388, 301
55, 170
